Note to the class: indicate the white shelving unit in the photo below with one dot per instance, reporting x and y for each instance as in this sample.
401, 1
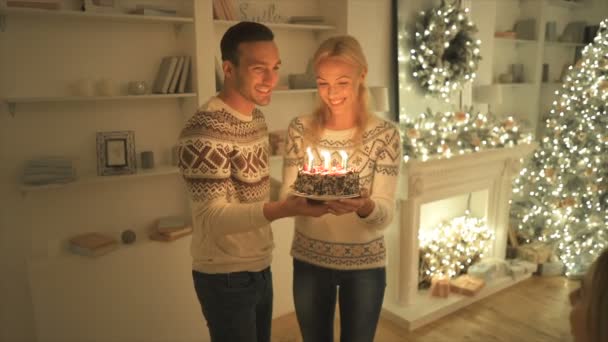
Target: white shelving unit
527, 101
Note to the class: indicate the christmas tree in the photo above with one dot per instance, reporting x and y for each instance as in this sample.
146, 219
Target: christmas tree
561, 196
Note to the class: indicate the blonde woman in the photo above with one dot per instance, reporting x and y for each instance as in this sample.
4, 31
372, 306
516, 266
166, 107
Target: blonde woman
589, 314
344, 249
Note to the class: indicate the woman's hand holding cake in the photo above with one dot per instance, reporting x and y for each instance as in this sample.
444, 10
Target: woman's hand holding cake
362, 205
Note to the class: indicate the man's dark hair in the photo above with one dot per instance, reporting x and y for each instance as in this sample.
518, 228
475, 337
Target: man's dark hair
243, 32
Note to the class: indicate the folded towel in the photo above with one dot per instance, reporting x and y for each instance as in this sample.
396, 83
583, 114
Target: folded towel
49, 171
49, 163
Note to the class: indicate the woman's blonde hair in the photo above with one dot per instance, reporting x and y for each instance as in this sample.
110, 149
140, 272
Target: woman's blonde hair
347, 49
598, 300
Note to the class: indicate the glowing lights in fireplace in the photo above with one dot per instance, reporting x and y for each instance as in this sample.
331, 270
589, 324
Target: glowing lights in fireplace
450, 248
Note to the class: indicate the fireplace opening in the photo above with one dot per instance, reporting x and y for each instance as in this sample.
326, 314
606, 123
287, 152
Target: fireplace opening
453, 235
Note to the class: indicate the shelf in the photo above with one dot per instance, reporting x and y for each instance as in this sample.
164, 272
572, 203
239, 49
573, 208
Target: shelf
91, 15
566, 4
13, 101
563, 44
514, 85
552, 84
95, 98
94, 179
516, 41
283, 25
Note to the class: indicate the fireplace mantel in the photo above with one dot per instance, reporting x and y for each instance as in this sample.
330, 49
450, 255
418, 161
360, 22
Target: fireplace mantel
434, 180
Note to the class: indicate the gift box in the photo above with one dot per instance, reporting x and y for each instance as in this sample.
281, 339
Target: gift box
535, 252
520, 267
440, 287
551, 268
530, 266
466, 285
489, 269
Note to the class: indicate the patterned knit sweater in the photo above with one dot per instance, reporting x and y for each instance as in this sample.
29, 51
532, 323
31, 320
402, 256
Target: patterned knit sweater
347, 242
223, 157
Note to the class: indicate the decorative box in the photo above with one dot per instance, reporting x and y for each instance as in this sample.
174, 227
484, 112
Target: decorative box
551, 269
518, 267
440, 287
535, 252
489, 269
466, 285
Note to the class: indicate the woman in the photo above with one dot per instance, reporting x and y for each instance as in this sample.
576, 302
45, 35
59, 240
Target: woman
344, 248
589, 313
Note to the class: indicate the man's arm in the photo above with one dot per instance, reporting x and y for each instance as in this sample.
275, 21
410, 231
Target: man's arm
205, 163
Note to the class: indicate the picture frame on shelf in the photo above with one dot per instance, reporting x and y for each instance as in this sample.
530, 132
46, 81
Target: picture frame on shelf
116, 153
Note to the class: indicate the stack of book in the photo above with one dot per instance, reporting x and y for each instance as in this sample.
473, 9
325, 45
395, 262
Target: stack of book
92, 244
224, 10
49, 170
154, 10
174, 75
170, 228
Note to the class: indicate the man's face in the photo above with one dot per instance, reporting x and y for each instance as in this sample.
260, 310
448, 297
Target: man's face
257, 73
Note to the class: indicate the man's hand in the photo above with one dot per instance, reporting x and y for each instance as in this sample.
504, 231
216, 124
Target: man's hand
301, 206
294, 206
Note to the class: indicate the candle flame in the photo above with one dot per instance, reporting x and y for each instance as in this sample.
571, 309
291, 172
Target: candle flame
326, 159
310, 158
344, 157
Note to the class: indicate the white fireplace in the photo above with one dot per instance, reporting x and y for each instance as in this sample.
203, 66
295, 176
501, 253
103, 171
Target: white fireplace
487, 174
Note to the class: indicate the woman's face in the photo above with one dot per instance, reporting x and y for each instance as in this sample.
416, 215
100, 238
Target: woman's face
338, 85
579, 301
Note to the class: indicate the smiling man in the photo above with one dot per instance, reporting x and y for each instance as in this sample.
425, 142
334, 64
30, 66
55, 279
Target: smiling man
223, 157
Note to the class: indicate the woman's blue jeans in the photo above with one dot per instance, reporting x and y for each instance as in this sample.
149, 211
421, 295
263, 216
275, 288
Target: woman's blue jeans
360, 297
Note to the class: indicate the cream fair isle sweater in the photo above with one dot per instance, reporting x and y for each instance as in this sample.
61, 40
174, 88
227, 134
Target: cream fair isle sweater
347, 242
223, 157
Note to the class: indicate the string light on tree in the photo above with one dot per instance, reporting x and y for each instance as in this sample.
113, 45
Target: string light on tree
561, 196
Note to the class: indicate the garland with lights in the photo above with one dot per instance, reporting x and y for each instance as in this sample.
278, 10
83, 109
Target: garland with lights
443, 135
444, 53
561, 196
450, 248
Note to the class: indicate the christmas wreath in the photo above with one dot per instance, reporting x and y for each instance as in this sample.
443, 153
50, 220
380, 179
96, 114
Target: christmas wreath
444, 53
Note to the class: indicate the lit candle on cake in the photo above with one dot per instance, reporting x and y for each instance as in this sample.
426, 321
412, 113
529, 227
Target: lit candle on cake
326, 160
344, 157
310, 159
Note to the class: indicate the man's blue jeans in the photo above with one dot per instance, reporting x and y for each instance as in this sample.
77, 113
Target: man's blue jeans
361, 293
237, 306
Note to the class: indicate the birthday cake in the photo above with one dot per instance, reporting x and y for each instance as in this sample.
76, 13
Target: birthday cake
327, 182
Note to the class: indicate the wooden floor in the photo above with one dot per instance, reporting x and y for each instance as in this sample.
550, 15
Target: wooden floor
534, 310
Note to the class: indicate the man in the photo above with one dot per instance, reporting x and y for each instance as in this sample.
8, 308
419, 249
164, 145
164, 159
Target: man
224, 160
